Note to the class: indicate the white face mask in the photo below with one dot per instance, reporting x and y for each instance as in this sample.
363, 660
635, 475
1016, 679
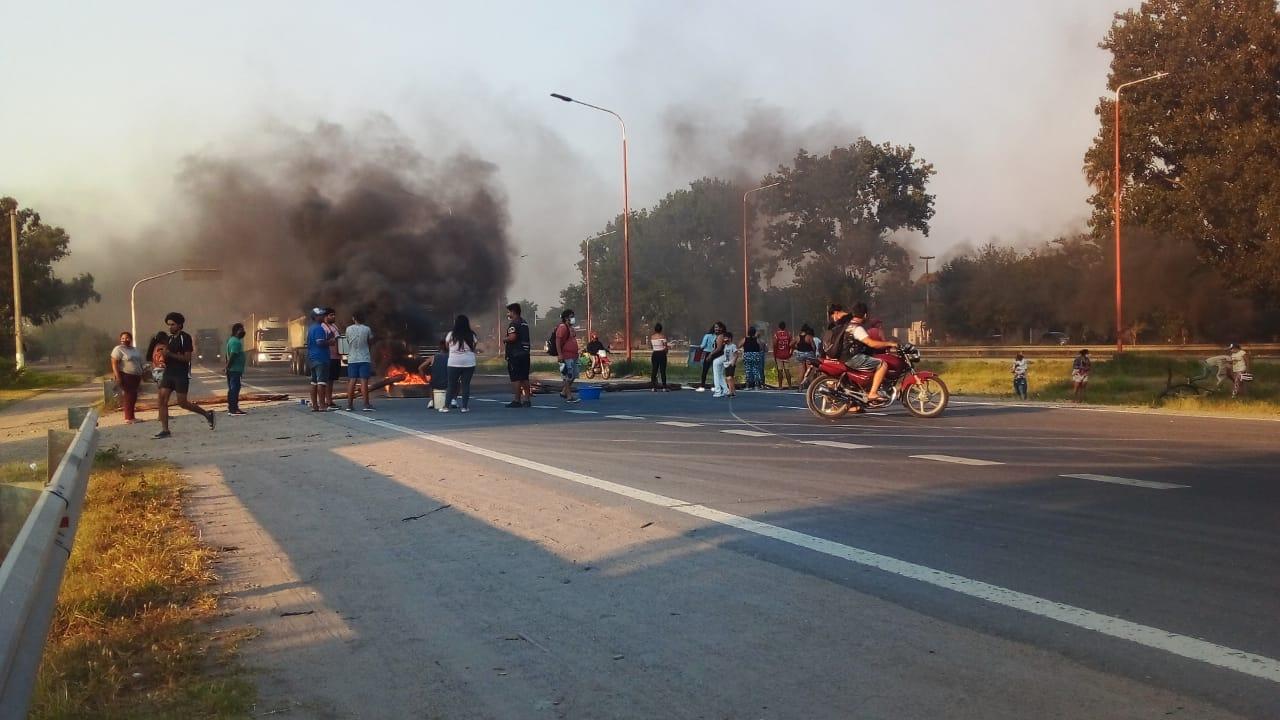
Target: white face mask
573, 320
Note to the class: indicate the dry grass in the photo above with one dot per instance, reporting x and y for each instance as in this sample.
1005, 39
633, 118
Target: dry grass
130, 636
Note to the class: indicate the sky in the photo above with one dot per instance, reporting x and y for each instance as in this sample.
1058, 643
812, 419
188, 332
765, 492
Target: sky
104, 100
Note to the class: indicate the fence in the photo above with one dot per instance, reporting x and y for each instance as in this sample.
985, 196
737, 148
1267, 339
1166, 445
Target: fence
32, 571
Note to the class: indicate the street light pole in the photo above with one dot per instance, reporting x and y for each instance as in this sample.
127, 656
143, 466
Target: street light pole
927, 282
1115, 218
587, 244
19, 357
626, 218
133, 306
746, 299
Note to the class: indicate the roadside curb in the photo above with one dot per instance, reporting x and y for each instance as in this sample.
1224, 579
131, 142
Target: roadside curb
1087, 407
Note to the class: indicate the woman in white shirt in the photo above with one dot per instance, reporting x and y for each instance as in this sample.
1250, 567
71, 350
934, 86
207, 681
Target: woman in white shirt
462, 363
126, 366
658, 360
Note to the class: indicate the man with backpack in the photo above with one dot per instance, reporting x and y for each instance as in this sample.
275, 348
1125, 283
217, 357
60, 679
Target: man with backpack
565, 344
850, 342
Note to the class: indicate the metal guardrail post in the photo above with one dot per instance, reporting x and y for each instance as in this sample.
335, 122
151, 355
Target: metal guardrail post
32, 572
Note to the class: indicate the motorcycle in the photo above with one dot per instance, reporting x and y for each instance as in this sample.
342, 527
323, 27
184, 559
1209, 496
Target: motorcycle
597, 365
836, 389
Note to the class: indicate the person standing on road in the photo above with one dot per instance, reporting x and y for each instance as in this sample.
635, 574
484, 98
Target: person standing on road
318, 342
176, 379
1080, 369
722, 367
517, 352
658, 359
567, 352
806, 347
753, 360
712, 347
126, 367
234, 369
783, 349
462, 363
359, 360
1239, 369
1020, 366
335, 357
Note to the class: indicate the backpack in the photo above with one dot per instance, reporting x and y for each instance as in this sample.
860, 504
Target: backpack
550, 345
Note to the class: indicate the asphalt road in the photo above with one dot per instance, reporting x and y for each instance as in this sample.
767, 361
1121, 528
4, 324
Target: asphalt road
1076, 562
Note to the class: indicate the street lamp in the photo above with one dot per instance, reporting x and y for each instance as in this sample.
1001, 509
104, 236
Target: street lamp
1116, 209
587, 244
746, 317
626, 222
927, 282
19, 357
133, 307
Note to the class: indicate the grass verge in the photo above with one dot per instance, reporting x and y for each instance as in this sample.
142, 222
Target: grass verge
30, 383
130, 636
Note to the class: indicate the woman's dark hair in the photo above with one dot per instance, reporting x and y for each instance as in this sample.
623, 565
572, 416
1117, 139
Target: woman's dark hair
125, 332
463, 334
723, 328
728, 335
806, 329
751, 332
657, 327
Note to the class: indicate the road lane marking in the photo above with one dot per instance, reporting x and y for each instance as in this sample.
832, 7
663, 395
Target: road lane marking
677, 423
625, 417
956, 460
793, 407
1125, 481
836, 444
747, 433
582, 412
1185, 646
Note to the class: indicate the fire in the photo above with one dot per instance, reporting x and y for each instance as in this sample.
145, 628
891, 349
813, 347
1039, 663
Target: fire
410, 378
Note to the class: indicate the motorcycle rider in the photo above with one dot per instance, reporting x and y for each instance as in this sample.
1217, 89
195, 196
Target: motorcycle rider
593, 352
849, 341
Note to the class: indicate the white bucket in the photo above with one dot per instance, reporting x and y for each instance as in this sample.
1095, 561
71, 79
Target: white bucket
438, 397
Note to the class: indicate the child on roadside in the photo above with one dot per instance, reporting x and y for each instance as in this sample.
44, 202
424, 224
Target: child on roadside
724, 367
1020, 366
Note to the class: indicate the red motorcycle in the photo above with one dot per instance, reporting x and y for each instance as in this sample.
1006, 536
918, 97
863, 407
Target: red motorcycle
837, 389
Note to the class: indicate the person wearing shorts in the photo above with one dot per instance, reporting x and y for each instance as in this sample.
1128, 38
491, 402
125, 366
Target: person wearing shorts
517, 348
1080, 369
176, 378
567, 352
359, 361
783, 349
318, 341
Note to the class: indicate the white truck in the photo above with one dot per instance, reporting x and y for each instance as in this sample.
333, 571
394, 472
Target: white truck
267, 342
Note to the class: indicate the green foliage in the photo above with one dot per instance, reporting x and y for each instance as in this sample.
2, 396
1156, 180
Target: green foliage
76, 343
1200, 147
45, 297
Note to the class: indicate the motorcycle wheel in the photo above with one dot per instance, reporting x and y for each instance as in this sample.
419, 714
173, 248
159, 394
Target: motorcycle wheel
825, 404
926, 398
590, 373
604, 374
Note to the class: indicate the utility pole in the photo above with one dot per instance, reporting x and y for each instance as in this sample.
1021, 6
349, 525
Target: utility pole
19, 357
927, 282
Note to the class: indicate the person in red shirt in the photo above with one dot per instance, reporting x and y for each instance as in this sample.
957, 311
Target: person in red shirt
567, 351
783, 346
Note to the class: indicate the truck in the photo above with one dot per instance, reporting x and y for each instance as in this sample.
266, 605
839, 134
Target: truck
208, 344
267, 342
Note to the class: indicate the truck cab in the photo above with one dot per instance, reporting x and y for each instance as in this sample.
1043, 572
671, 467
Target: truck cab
270, 343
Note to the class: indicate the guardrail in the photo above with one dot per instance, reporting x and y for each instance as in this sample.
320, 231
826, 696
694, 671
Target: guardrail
32, 571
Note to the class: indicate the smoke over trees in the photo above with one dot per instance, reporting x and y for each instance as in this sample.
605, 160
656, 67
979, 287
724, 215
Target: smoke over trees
368, 222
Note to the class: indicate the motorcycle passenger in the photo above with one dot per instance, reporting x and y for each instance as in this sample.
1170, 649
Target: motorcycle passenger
849, 341
594, 346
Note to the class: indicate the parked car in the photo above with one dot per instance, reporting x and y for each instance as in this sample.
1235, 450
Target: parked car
1054, 337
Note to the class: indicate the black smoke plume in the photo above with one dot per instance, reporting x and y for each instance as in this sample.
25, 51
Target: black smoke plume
367, 223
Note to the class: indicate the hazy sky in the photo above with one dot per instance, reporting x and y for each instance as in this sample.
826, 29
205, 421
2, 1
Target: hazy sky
104, 99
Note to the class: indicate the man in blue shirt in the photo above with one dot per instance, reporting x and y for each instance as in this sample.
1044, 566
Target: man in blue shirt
318, 342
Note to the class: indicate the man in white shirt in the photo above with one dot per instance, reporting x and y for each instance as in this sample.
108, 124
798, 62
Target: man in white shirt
359, 360
848, 340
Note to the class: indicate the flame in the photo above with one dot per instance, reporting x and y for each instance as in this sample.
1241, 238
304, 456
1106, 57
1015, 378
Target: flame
410, 378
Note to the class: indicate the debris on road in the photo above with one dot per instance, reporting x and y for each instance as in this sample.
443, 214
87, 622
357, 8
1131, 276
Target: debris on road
297, 612
418, 517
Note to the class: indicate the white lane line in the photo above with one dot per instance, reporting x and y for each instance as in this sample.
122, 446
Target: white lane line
836, 444
625, 417
485, 400
956, 460
793, 407
1185, 646
747, 433
582, 412
677, 423
1125, 481
543, 407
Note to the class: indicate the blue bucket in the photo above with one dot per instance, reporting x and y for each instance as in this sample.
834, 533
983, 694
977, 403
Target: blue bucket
589, 392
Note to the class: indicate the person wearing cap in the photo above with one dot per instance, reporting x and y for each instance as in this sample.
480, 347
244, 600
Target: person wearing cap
1239, 368
318, 343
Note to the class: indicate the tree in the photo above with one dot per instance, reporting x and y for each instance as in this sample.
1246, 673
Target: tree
1201, 147
834, 213
45, 297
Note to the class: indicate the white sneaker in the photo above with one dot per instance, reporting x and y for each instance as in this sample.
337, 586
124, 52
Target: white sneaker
443, 409
717, 394
699, 389
464, 409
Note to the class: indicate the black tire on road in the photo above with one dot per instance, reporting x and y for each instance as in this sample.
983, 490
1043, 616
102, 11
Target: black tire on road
824, 403
926, 398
